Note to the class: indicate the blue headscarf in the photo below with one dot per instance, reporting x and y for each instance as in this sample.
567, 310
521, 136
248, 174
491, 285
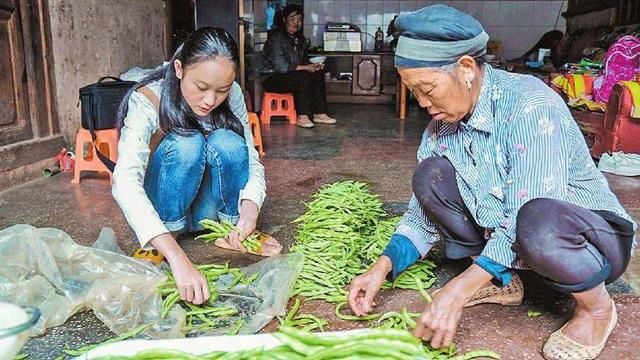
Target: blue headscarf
438, 35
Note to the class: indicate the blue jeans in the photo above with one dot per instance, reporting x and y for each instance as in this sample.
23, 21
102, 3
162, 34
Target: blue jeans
191, 178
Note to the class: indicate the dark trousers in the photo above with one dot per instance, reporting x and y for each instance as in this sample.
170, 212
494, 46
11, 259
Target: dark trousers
308, 90
573, 249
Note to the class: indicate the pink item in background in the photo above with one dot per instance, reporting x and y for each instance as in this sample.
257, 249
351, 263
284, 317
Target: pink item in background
620, 64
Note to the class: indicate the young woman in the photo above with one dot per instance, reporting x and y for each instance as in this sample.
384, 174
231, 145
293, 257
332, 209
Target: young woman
186, 153
290, 72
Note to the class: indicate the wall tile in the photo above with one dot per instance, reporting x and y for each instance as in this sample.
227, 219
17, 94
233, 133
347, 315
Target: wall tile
326, 11
518, 24
547, 14
474, 8
374, 12
525, 13
359, 12
311, 12
342, 11
391, 6
424, 3
508, 13
386, 19
407, 6
459, 5
491, 13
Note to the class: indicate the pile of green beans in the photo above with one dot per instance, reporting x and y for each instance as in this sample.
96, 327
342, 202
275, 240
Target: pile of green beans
297, 344
205, 316
338, 224
251, 243
342, 233
222, 229
217, 229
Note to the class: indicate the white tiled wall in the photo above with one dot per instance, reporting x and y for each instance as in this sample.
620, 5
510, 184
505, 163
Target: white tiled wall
518, 24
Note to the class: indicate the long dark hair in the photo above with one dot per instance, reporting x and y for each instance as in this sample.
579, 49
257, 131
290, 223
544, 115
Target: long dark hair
175, 115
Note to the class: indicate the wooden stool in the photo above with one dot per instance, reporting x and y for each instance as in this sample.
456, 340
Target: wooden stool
106, 141
274, 104
254, 124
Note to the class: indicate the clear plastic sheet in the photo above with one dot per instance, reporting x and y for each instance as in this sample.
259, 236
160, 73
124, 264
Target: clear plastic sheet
45, 268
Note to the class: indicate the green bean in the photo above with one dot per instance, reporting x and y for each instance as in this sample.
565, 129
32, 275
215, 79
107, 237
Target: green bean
235, 281
250, 279
251, 243
168, 303
533, 313
353, 317
477, 354
213, 311
423, 292
307, 322
237, 327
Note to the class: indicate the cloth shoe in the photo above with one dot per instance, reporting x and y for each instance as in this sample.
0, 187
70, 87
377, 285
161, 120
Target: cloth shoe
561, 347
510, 295
323, 119
304, 122
620, 163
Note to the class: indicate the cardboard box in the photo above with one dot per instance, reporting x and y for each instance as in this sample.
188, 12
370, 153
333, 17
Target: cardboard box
343, 45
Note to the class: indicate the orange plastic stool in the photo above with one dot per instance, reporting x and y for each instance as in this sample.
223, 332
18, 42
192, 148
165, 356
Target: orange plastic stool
274, 104
107, 142
254, 124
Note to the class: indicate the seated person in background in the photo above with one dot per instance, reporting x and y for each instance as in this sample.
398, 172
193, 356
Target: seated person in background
290, 71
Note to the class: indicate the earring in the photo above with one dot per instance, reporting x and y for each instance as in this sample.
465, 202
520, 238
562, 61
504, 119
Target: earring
468, 85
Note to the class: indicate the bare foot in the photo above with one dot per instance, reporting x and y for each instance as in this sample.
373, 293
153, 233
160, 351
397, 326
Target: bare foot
589, 326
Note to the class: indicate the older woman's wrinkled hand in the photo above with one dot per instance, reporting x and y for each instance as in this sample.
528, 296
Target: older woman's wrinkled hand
364, 287
440, 318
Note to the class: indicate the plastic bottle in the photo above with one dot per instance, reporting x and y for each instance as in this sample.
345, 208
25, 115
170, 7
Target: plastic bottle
270, 13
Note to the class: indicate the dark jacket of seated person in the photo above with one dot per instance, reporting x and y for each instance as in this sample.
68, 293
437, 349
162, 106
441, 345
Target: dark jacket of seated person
283, 52
287, 70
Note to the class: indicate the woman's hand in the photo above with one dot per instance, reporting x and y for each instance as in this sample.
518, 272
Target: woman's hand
190, 282
440, 318
246, 224
364, 287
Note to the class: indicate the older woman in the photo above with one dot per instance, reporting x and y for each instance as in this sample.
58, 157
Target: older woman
289, 70
504, 177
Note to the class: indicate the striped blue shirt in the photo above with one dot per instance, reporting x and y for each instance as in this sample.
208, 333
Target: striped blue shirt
520, 143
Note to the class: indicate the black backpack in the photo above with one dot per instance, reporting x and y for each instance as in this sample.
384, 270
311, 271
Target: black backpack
99, 106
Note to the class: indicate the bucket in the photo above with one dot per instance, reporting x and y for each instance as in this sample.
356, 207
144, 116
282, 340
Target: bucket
14, 325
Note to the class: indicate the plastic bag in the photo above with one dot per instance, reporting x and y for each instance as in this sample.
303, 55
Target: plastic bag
45, 268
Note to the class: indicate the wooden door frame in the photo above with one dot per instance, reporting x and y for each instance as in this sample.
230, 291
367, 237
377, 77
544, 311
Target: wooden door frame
46, 139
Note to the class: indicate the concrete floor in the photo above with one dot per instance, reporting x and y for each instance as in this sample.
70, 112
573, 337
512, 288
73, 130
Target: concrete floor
368, 144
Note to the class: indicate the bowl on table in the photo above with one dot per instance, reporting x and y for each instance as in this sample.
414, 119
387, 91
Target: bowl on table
318, 59
14, 325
